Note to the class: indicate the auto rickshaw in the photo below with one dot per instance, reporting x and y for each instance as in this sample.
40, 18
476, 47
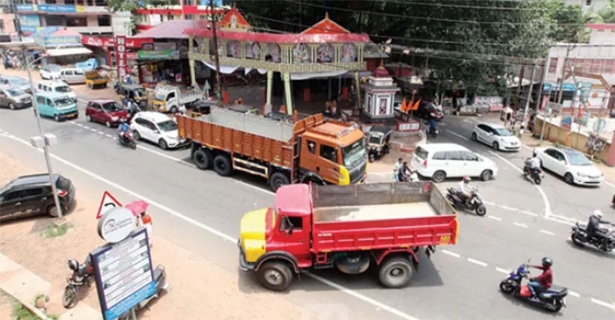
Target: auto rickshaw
133, 92
201, 107
378, 142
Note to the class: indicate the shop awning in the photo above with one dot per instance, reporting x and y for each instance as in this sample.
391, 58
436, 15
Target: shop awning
316, 75
67, 51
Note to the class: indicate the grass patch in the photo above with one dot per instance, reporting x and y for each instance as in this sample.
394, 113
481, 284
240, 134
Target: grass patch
54, 231
22, 313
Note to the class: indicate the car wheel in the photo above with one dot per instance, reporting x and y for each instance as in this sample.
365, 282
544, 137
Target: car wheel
136, 135
88, 118
438, 176
56, 118
496, 146
53, 211
568, 178
163, 144
108, 124
474, 137
486, 175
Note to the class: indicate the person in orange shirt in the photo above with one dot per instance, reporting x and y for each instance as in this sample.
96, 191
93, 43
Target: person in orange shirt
145, 220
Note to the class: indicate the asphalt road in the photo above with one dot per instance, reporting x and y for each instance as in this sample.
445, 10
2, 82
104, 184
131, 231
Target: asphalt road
201, 211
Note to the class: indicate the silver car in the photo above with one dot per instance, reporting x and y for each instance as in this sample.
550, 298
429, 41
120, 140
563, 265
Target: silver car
72, 75
15, 99
13, 82
50, 72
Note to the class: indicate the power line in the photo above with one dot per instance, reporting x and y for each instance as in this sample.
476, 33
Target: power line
460, 6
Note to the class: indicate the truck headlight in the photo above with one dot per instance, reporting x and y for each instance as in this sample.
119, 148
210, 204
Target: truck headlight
344, 178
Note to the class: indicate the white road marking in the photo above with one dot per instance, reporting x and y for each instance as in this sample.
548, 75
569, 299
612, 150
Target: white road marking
452, 254
457, 135
504, 271
574, 294
602, 303
528, 213
480, 263
93, 130
78, 124
520, 225
608, 183
219, 233
494, 218
109, 136
505, 207
547, 232
101, 133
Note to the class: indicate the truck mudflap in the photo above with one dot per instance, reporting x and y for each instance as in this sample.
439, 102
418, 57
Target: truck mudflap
430, 250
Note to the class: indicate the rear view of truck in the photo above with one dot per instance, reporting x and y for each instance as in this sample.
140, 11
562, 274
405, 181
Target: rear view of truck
350, 228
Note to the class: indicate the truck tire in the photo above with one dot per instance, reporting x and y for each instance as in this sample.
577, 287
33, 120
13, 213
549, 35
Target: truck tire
222, 165
202, 159
395, 272
277, 180
353, 263
275, 276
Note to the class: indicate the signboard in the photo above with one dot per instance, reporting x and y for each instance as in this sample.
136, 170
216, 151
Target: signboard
120, 56
116, 224
25, 7
566, 122
165, 46
599, 125
582, 119
107, 203
56, 41
554, 107
584, 89
594, 144
158, 55
123, 274
30, 20
110, 42
60, 8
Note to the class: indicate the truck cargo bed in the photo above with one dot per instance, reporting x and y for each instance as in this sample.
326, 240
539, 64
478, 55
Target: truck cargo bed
374, 212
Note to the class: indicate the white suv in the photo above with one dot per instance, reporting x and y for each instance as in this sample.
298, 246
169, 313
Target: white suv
440, 161
157, 128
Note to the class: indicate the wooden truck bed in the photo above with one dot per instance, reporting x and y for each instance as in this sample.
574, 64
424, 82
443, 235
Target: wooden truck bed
381, 216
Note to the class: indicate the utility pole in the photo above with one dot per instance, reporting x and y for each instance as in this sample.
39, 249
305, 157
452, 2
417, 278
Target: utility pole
527, 103
217, 58
564, 67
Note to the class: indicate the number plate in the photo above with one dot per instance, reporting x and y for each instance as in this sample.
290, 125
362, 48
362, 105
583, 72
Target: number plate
445, 239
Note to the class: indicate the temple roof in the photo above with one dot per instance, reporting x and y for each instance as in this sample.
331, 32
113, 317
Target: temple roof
325, 26
381, 72
241, 22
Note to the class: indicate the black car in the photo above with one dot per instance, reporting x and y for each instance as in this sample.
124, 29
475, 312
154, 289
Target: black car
31, 195
428, 110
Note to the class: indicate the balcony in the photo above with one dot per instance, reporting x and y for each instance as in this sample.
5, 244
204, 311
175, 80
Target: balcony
92, 29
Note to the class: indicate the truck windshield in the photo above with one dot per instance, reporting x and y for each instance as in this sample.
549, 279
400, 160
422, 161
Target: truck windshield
160, 96
354, 152
375, 139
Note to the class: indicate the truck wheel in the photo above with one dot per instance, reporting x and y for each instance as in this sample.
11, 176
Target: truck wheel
222, 165
275, 276
277, 180
202, 159
173, 110
395, 272
353, 263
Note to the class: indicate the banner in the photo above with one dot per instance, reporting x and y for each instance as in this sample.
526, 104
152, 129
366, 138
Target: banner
120, 56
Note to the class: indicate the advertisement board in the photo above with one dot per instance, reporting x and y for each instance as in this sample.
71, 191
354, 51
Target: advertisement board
56, 41
158, 55
120, 55
60, 8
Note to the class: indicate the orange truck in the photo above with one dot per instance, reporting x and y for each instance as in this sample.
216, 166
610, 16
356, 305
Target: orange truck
313, 149
349, 228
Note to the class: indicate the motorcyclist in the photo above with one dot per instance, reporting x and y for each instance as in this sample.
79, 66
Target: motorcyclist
123, 129
543, 281
432, 125
534, 164
594, 230
464, 189
404, 172
397, 168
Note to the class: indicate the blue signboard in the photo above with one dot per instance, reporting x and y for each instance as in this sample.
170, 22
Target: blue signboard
24, 7
29, 29
57, 8
56, 41
123, 273
547, 87
29, 20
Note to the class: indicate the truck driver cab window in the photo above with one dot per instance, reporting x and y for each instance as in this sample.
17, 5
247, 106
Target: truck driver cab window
311, 146
328, 153
291, 223
170, 96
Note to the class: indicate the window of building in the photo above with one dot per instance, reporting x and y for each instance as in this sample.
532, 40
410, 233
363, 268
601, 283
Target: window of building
553, 65
587, 66
53, 20
203, 17
104, 20
609, 66
189, 17
597, 66
588, 2
50, 1
72, 2
2, 26
100, 3
189, 2
90, 3
76, 22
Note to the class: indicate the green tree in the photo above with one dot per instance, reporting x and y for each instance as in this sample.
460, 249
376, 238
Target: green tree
131, 6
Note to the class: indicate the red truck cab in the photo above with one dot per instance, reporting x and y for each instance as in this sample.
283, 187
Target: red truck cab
346, 227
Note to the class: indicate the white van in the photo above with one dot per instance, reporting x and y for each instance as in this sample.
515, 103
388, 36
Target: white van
439, 161
56, 86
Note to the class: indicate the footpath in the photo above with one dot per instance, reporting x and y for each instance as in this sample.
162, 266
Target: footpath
32, 264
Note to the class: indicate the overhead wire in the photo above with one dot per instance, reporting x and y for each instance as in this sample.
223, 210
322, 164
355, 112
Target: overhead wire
460, 6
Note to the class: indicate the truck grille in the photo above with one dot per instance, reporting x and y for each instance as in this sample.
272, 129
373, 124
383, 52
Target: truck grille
356, 174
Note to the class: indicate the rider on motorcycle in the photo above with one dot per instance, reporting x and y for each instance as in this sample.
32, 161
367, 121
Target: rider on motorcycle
432, 124
543, 281
123, 129
464, 190
594, 230
534, 164
404, 172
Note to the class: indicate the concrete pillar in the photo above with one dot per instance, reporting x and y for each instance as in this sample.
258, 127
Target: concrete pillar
610, 160
330, 89
269, 86
288, 93
192, 73
339, 87
358, 88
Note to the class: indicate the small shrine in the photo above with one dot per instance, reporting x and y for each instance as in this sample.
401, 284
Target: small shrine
380, 93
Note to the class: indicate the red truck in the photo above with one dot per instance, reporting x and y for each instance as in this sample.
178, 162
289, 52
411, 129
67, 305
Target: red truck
349, 228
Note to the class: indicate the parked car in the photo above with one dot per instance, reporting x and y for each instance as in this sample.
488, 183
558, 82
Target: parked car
57, 106
50, 72
133, 92
15, 99
32, 195
72, 75
13, 82
158, 128
57, 86
93, 80
496, 136
570, 164
440, 161
108, 112
428, 109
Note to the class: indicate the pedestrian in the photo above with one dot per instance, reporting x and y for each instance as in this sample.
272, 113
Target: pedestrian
396, 169
145, 220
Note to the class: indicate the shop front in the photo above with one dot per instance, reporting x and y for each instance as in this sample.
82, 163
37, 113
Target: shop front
62, 46
159, 62
104, 49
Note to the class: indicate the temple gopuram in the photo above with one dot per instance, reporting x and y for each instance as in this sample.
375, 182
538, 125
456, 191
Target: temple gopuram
322, 51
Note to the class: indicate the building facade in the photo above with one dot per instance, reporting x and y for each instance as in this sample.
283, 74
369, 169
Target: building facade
149, 17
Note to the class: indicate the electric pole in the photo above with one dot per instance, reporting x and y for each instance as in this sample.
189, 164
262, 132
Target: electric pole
217, 58
527, 103
561, 87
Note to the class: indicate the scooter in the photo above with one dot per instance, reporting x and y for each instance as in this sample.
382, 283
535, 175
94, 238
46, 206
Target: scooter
81, 275
476, 203
160, 277
536, 176
579, 236
432, 131
126, 139
552, 299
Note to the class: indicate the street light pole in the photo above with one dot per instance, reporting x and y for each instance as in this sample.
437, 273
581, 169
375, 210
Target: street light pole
217, 58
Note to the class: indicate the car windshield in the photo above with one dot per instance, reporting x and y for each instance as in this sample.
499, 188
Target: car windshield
167, 126
64, 102
63, 89
53, 68
503, 132
139, 93
421, 153
111, 107
375, 139
15, 92
354, 153
578, 159
160, 96
18, 82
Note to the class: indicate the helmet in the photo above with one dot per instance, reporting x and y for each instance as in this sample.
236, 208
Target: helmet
73, 265
400, 159
467, 179
546, 262
597, 214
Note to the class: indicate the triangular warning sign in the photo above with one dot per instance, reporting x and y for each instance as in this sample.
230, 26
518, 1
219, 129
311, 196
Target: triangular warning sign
107, 203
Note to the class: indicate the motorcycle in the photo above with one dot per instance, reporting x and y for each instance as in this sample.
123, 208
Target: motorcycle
552, 299
160, 277
579, 237
535, 176
432, 131
476, 203
126, 139
82, 274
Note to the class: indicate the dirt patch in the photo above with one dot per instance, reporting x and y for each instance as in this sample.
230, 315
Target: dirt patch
198, 287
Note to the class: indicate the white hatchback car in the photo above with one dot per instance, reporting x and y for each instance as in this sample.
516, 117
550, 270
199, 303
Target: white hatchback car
448, 160
570, 164
157, 128
496, 136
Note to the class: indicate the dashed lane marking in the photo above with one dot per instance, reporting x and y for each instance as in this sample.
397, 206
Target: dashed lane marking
502, 270
457, 135
101, 133
547, 232
574, 294
494, 218
478, 262
452, 254
602, 303
520, 225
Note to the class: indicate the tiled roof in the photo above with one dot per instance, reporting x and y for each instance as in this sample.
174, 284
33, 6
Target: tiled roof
173, 29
